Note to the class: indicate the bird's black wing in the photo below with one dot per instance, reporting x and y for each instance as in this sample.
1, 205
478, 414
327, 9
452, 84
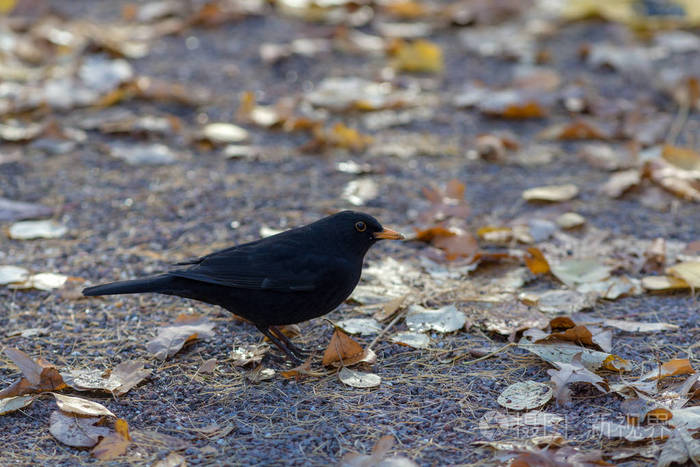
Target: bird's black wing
285, 264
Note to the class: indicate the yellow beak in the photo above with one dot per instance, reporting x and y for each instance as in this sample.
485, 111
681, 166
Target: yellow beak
388, 234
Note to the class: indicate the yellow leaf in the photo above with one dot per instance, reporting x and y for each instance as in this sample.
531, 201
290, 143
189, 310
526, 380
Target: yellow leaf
7, 6
419, 56
688, 271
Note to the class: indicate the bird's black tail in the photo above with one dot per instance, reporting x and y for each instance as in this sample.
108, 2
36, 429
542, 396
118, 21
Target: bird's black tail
156, 284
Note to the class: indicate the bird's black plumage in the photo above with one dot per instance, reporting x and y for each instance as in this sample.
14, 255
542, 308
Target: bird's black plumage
287, 278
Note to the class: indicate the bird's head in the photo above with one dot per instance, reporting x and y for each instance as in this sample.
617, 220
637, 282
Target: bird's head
358, 231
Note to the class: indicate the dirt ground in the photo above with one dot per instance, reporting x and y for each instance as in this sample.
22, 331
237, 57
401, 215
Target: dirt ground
126, 221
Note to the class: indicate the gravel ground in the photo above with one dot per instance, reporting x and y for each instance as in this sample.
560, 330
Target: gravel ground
128, 221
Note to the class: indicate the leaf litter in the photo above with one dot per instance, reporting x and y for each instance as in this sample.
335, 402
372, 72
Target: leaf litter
398, 37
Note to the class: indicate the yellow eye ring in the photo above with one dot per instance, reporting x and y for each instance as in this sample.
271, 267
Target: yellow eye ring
360, 226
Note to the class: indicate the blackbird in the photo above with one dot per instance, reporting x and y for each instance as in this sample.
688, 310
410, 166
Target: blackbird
286, 278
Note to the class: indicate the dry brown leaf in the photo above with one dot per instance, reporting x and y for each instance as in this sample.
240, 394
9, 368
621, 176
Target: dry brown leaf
37, 376
342, 348
171, 339
536, 261
114, 444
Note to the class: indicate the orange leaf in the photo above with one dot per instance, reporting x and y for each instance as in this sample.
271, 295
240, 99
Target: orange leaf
427, 235
536, 261
341, 348
114, 444
675, 367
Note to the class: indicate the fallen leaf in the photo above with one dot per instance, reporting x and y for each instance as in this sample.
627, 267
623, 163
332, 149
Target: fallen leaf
620, 182
207, 367
679, 448
564, 301
389, 308
118, 381
637, 326
574, 372
29, 230
683, 183
342, 348
418, 56
340, 94
39, 376
576, 130
172, 338
565, 353
570, 220
631, 433
41, 281
552, 193
80, 406
688, 271
12, 274
114, 444
76, 431
223, 133
12, 404
685, 417
664, 283
536, 261
445, 319
525, 395
361, 326
11, 210
143, 154
358, 379
579, 271
683, 158
171, 460
416, 340
259, 374
675, 367
248, 354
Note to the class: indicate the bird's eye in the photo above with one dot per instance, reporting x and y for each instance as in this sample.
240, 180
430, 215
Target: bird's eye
360, 226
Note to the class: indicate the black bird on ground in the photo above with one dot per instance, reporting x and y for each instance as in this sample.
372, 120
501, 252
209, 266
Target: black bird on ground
287, 278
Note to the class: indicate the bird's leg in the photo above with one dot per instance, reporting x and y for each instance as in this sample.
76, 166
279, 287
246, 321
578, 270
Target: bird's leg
266, 330
299, 352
